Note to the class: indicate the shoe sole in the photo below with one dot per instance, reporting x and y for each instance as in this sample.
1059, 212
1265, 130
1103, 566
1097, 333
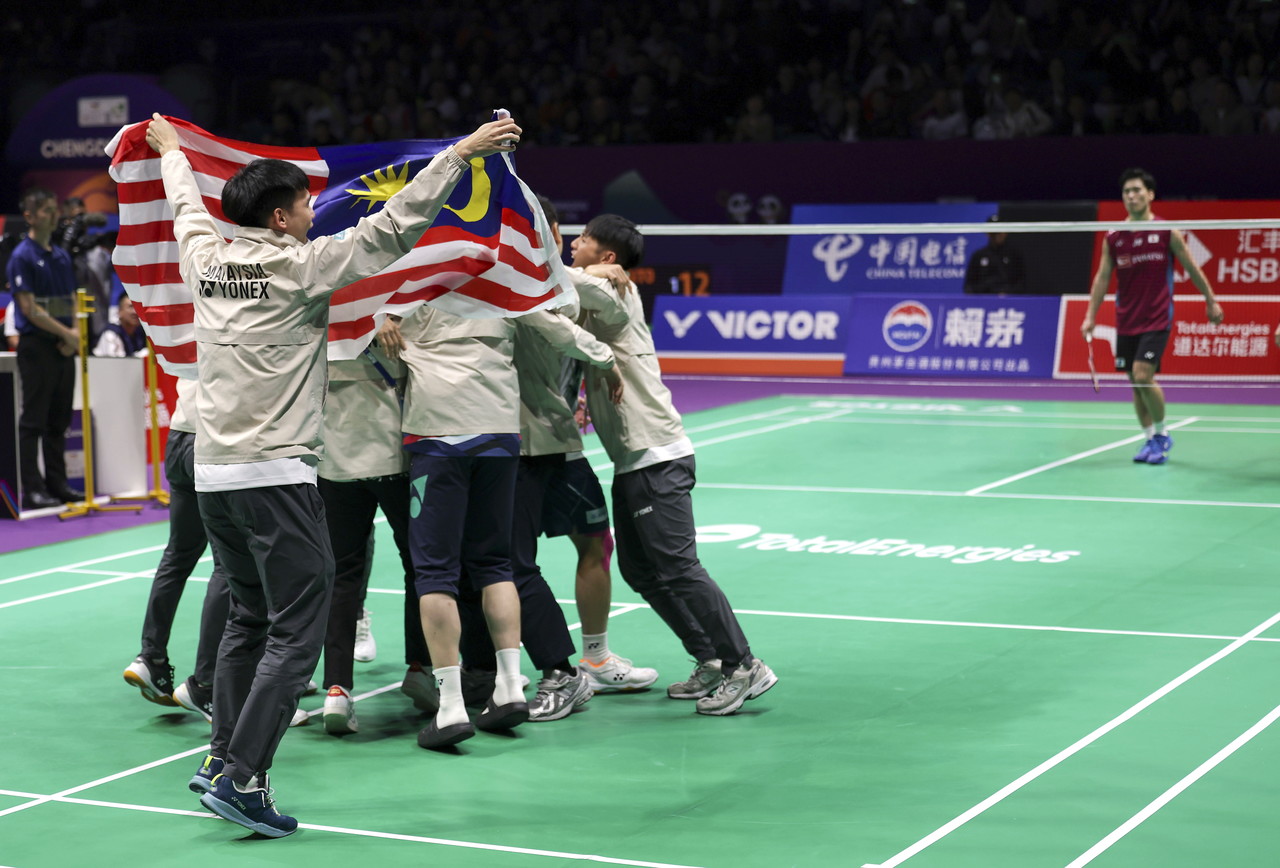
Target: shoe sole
183, 698
503, 717
149, 691
755, 692
338, 723
229, 812
432, 738
605, 687
200, 785
711, 688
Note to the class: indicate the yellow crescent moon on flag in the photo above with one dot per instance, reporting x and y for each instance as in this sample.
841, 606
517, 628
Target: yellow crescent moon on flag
480, 187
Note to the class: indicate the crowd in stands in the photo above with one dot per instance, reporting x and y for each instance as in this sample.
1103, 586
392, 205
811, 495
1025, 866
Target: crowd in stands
585, 72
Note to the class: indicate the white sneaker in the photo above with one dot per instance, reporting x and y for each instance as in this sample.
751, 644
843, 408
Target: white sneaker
617, 674
339, 712
311, 689
300, 718
366, 648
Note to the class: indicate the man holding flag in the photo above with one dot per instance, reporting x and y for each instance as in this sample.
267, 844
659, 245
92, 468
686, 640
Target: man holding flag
261, 331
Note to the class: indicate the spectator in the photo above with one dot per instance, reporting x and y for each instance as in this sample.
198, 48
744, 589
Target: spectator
1080, 121
1226, 117
942, 118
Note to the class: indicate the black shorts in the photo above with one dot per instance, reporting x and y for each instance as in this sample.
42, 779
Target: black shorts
574, 502
1146, 347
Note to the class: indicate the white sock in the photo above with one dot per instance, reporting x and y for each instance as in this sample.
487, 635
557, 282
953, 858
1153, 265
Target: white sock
1149, 431
452, 709
247, 788
1159, 427
506, 686
595, 647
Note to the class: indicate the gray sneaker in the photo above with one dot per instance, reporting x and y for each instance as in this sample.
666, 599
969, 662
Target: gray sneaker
559, 695
706, 677
747, 682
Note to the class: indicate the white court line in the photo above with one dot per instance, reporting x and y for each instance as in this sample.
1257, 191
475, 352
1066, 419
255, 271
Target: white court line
1168, 795
364, 833
909, 492
1066, 753
79, 564
997, 410
996, 626
738, 435
96, 573
112, 581
1070, 458
711, 426
1012, 423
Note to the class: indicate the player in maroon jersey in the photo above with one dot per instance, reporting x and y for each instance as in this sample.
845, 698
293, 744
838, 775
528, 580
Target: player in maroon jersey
1144, 304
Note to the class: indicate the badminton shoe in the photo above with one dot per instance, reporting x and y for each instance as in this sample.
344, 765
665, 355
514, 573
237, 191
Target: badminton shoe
255, 810
154, 678
202, 781
1161, 444
705, 678
366, 648
193, 697
748, 682
559, 695
339, 712
617, 674
421, 690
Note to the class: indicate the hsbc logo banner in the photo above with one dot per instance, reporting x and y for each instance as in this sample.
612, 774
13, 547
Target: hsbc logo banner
1236, 261
931, 262
988, 336
751, 333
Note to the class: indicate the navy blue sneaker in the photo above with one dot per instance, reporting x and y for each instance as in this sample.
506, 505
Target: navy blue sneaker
202, 781
1160, 446
255, 810
1144, 454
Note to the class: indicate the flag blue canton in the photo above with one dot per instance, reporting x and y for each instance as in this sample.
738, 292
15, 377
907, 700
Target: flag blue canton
362, 176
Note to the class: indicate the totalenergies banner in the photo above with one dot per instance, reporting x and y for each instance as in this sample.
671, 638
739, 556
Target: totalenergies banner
1236, 261
1238, 348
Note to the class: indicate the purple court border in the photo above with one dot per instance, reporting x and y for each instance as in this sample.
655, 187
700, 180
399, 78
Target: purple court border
692, 393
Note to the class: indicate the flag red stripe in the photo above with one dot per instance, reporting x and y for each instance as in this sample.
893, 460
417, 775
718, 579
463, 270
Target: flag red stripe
150, 275
166, 314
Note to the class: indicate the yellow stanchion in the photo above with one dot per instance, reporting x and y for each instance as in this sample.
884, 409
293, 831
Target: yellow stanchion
84, 307
157, 493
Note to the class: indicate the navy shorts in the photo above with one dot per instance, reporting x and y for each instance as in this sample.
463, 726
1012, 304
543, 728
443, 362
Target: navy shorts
574, 501
1146, 347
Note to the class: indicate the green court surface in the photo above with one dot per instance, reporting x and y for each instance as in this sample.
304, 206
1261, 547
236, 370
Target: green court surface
999, 643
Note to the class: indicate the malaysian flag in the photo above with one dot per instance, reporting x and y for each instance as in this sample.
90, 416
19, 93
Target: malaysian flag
488, 253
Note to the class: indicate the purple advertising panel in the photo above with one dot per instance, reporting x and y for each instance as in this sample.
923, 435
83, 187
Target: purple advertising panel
914, 262
953, 336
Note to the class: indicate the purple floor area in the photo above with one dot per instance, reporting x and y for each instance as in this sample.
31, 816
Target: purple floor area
693, 393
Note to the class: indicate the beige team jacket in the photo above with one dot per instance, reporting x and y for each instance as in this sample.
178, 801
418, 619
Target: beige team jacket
461, 374
262, 310
646, 418
362, 420
547, 426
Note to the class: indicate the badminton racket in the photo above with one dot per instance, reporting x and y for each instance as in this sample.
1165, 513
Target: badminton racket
1093, 371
